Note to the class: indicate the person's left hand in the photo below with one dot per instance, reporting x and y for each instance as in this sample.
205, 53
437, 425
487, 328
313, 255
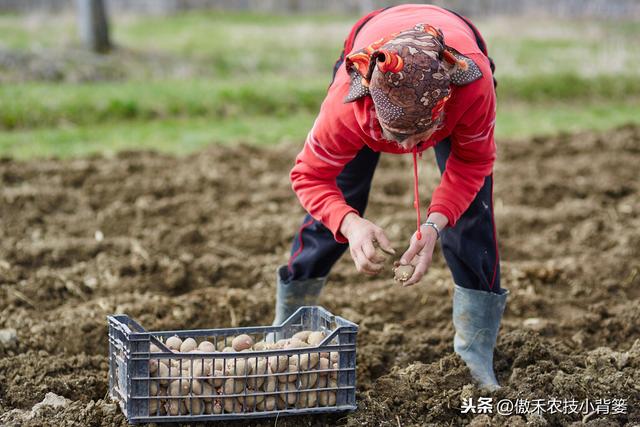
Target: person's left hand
420, 254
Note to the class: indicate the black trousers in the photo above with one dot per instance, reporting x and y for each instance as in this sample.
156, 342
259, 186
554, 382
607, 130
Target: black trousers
470, 247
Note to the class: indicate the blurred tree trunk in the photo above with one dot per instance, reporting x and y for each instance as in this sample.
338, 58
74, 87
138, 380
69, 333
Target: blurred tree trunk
93, 25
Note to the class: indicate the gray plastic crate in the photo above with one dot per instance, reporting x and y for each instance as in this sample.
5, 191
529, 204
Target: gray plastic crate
220, 385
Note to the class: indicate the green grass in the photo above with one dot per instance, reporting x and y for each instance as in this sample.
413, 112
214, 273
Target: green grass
179, 136
40, 105
184, 135
520, 121
37, 105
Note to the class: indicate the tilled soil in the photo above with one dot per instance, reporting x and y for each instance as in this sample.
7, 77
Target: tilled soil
193, 242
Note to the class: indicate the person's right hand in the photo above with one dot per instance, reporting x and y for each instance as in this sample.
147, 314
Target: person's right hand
362, 234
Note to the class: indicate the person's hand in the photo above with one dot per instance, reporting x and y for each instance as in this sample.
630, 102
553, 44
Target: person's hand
420, 252
362, 235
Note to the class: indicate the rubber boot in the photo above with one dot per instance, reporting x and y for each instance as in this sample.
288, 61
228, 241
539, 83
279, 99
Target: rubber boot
476, 318
294, 294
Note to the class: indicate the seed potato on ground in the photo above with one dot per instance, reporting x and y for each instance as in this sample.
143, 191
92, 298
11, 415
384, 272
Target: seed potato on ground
402, 273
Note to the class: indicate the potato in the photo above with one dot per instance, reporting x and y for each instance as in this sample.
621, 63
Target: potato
308, 380
289, 396
251, 398
153, 388
217, 407
328, 397
316, 338
293, 369
185, 387
295, 343
281, 343
208, 407
206, 347
334, 374
257, 365
307, 361
154, 348
180, 364
259, 368
153, 366
232, 386
176, 407
402, 273
270, 384
322, 365
194, 406
308, 399
216, 381
302, 335
242, 342
184, 368
260, 346
280, 403
202, 368
278, 363
218, 364
268, 404
174, 343
334, 356
231, 404
322, 382
208, 393
154, 406
163, 371
228, 350
236, 367
188, 345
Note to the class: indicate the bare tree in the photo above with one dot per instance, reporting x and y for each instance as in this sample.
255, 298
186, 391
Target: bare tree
93, 25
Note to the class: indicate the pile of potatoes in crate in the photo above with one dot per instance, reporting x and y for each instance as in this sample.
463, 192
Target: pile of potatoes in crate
204, 385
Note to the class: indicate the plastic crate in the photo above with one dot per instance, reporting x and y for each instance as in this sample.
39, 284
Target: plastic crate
137, 381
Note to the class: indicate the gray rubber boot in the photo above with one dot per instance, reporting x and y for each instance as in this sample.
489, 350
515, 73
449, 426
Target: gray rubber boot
476, 318
294, 294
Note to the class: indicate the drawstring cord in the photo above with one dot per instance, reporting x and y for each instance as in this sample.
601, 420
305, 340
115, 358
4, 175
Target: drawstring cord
416, 196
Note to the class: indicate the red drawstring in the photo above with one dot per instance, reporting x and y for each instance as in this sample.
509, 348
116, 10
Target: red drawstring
416, 197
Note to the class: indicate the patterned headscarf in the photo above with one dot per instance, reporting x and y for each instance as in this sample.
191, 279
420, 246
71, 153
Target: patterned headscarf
408, 75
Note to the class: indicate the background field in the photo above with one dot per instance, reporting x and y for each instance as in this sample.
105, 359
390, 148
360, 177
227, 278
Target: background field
179, 82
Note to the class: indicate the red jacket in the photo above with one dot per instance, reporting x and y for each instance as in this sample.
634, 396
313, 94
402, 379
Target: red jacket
341, 130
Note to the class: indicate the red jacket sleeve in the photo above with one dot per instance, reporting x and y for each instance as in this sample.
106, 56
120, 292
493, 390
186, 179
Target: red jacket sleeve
330, 145
473, 151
